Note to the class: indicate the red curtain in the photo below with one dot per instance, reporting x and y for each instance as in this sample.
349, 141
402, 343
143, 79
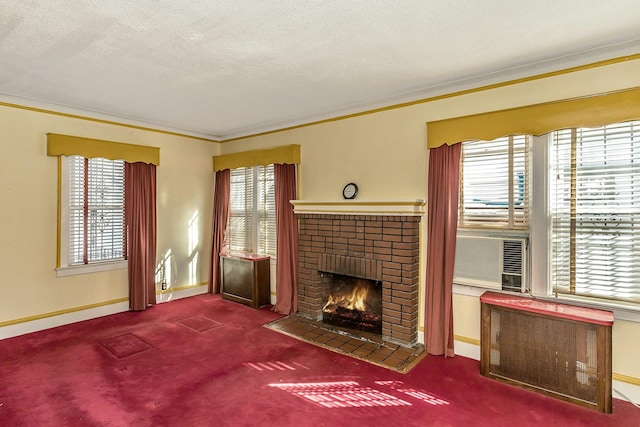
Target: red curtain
140, 220
287, 240
442, 225
220, 215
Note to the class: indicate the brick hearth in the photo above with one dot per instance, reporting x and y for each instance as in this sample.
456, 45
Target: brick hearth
383, 247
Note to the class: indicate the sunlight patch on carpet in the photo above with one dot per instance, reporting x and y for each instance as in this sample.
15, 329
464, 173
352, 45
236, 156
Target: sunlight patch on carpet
415, 393
270, 366
199, 323
125, 345
343, 394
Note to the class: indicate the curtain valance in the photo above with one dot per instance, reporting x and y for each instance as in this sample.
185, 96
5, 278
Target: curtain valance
285, 154
537, 119
67, 145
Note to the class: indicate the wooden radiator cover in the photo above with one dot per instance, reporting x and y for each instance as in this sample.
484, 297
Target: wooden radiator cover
555, 349
246, 279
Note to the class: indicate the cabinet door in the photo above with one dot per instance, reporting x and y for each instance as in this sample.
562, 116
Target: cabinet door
237, 278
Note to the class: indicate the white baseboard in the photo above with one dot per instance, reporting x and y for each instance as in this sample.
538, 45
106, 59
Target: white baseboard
91, 313
62, 319
626, 391
465, 349
621, 390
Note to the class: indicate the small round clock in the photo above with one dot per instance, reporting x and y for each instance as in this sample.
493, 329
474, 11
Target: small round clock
350, 191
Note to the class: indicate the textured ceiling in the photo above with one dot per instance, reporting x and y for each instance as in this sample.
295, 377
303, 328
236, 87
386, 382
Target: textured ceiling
222, 69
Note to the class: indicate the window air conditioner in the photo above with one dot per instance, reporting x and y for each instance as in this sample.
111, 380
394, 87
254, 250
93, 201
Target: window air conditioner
492, 262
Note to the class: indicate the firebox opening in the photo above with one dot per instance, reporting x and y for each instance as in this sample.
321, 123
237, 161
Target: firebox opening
353, 302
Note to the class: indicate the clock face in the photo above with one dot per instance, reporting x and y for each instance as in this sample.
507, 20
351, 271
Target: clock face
350, 191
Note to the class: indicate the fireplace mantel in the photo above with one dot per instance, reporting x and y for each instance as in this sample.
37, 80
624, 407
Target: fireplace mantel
360, 207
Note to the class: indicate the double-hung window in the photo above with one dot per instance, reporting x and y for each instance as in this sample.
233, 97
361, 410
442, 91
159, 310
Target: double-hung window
595, 212
92, 213
251, 226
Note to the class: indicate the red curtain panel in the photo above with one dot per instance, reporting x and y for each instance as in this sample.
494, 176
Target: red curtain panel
442, 219
287, 240
140, 219
220, 215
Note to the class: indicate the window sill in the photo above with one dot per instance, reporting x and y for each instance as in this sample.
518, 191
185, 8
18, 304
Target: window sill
91, 268
621, 311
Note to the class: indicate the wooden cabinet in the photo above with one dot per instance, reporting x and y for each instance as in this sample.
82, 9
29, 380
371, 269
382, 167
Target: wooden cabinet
246, 279
556, 349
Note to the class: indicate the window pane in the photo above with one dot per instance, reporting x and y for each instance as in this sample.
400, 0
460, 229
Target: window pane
96, 210
595, 210
252, 219
240, 223
76, 209
494, 188
105, 209
266, 211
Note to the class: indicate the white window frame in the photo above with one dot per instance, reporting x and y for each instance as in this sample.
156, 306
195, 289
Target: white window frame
64, 268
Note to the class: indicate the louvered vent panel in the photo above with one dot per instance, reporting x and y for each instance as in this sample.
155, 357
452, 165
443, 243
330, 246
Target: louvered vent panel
512, 256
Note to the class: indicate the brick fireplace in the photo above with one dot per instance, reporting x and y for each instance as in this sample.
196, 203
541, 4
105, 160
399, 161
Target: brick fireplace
380, 244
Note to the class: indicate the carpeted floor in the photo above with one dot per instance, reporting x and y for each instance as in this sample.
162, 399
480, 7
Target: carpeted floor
202, 361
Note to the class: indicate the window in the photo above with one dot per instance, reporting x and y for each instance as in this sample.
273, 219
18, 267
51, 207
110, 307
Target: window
93, 230
595, 212
252, 216
585, 207
494, 183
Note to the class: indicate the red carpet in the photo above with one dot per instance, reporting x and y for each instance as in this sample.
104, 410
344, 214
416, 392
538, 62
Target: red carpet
202, 361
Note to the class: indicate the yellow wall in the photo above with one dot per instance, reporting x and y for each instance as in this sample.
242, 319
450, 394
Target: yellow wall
626, 348
385, 154
28, 217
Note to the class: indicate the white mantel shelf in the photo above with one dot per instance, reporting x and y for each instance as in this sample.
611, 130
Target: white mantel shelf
360, 207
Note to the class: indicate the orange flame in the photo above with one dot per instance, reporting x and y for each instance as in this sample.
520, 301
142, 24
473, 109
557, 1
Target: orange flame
356, 300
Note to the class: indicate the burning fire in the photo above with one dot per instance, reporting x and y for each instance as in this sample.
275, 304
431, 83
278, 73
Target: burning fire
356, 300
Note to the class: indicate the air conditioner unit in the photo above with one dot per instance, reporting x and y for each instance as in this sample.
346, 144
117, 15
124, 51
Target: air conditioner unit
492, 262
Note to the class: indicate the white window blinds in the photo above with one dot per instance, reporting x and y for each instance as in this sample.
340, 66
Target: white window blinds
240, 223
494, 183
252, 216
595, 212
266, 211
96, 210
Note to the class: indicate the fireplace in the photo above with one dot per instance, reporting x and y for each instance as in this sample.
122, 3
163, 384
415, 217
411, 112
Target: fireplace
352, 302
381, 250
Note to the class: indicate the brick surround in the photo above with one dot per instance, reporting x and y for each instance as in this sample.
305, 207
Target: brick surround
384, 247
